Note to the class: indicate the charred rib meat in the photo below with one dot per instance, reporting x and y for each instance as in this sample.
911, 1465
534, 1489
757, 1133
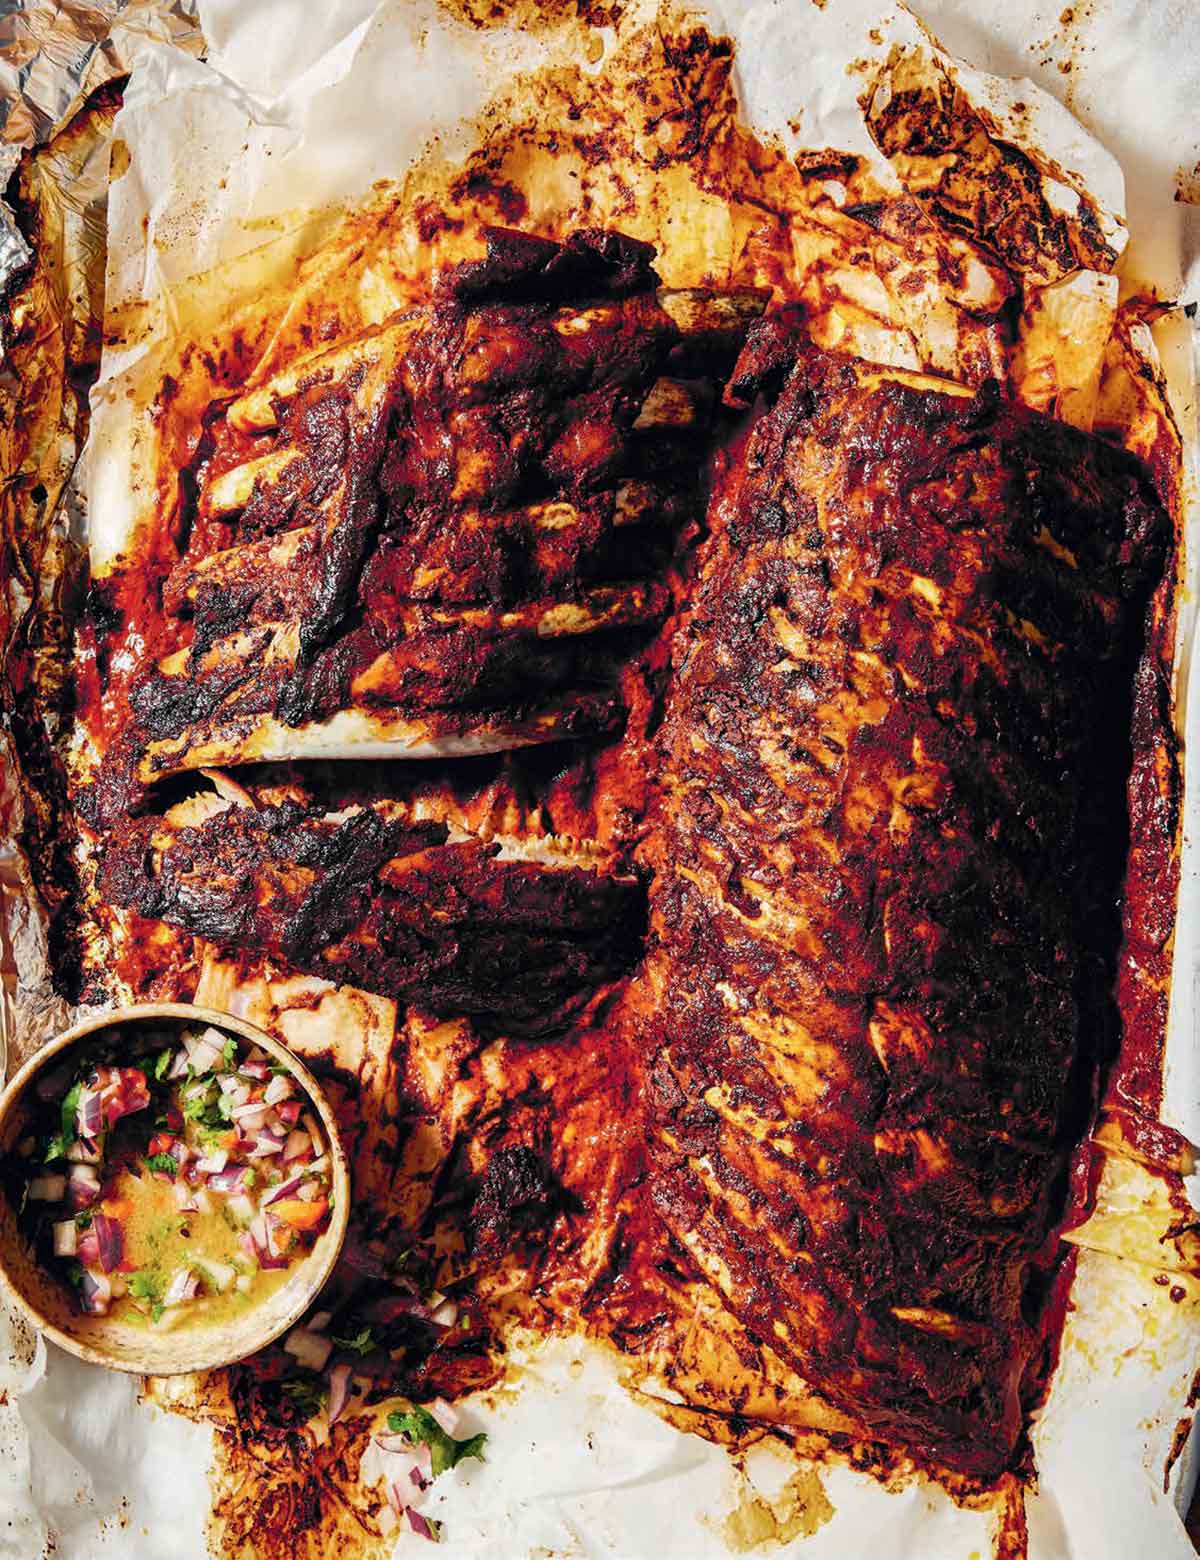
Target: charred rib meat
887, 824
513, 931
890, 839
441, 537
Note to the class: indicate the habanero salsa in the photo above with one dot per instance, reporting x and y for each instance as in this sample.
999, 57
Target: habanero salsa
178, 1184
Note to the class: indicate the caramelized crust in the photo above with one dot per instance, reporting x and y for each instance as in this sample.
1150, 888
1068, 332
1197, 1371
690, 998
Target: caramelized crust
890, 840
447, 534
516, 933
855, 1037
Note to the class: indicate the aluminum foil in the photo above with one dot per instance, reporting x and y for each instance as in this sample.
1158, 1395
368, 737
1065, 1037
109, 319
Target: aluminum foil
53, 53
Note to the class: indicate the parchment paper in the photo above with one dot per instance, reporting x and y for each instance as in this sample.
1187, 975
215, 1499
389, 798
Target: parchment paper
300, 105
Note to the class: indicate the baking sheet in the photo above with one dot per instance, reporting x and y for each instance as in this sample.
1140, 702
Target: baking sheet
282, 122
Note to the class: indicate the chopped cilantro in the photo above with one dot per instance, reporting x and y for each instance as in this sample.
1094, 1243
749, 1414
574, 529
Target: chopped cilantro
161, 1062
362, 1342
70, 1105
194, 1107
83, 1221
229, 1051
207, 1108
306, 1392
445, 1451
225, 1108
163, 1162
146, 1284
57, 1147
156, 1311
74, 1272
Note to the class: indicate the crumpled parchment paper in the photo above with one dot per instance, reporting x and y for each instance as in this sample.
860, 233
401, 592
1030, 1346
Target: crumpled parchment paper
297, 106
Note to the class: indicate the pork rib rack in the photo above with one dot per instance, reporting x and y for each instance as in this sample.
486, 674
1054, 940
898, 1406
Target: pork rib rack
888, 824
887, 855
442, 536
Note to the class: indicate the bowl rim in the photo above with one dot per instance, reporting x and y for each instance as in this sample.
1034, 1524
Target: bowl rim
332, 1238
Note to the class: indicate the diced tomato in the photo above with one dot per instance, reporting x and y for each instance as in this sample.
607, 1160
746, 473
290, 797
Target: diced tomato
123, 1090
175, 1119
161, 1143
300, 1215
289, 1111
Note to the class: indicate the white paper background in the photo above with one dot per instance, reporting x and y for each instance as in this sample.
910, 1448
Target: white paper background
578, 1468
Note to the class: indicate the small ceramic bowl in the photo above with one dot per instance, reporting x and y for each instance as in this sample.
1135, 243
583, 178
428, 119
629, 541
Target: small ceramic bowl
48, 1302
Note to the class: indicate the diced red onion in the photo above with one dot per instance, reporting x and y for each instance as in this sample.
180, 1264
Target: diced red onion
284, 1189
289, 1112
204, 1051
110, 1241
339, 1391
278, 1090
251, 1116
88, 1250
48, 1188
265, 1254
310, 1348
95, 1292
445, 1414
66, 1238
84, 1152
204, 1203
319, 1321
311, 1191
185, 1198
419, 1525
276, 1227
213, 1163
228, 1182
418, 1478
182, 1287
244, 1283
253, 1067
89, 1113
297, 1145
247, 1245
444, 1315
318, 1165
241, 1207
178, 1067
83, 1187
266, 1143
228, 1082
180, 1152
223, 1276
